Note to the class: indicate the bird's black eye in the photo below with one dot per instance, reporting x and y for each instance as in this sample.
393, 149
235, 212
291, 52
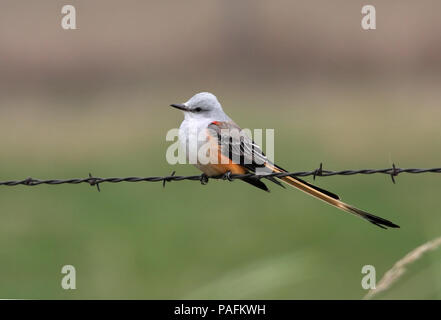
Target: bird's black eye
198, 109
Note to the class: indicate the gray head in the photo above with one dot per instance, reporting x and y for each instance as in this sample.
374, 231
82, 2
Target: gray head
202, 105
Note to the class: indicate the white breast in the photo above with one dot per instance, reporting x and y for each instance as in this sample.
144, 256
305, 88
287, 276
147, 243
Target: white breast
192, 135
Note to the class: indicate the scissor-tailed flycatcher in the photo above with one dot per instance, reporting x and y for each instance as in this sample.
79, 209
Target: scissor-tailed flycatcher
239, 154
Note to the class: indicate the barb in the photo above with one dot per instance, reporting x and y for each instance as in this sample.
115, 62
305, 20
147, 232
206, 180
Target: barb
168, 180
92, 181
203, 179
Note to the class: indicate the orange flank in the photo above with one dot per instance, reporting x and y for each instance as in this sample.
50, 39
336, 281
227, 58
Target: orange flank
219, 163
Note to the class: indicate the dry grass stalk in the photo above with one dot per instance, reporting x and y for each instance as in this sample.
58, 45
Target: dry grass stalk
391, 276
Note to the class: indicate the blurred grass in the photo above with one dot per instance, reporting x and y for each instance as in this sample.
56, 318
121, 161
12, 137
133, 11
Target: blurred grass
223, 240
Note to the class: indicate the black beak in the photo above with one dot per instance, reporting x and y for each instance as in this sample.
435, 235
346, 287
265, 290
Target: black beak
179, 106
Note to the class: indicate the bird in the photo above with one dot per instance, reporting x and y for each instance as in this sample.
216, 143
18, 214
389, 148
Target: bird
205, 123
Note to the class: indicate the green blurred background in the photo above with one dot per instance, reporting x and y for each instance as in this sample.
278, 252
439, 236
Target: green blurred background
96, 100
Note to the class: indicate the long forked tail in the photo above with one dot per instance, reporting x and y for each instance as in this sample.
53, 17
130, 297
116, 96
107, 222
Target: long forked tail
333, 199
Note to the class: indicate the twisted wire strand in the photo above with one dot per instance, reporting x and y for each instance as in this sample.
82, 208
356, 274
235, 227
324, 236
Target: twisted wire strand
320, 172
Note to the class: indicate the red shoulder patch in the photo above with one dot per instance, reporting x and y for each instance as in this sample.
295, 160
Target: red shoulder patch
216, 123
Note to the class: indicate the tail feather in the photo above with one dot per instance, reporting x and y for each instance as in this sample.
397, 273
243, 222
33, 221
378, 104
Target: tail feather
378, 221
333, 200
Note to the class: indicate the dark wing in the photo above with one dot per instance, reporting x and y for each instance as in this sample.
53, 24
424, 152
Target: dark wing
239, 148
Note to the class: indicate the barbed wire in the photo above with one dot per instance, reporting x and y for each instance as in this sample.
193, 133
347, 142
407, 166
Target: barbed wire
319, 172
